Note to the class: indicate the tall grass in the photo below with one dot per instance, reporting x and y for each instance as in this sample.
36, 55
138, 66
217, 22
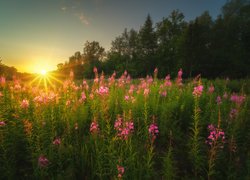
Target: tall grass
119, 128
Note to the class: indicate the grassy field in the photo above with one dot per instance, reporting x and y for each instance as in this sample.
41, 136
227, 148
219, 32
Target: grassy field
117, 128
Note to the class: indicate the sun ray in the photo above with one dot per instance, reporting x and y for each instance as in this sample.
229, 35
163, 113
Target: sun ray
46, 80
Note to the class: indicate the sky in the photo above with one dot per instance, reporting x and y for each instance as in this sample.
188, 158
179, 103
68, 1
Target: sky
39, 34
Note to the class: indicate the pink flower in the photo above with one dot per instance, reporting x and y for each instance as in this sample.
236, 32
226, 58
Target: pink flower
198, 91
103, 90
218, 100
153, 131
126, 97
1, 94
83, 96
95, 70
124, 129
211, 89
167, 81
146, 92
120, 170
94, 127
2, 123
43, 161
118, 123
25, 104
216, 136
156, 70
2, 81
164, 93
179, 78
68, 102
237, 99
131, 89
57, 141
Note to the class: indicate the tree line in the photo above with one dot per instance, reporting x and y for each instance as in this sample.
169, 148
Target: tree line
212, 48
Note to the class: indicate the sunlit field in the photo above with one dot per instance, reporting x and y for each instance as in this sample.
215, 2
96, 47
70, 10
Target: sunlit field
120, 128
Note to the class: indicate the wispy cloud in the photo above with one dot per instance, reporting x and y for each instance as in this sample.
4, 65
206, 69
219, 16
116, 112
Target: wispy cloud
64, 8
83, 19
75, 9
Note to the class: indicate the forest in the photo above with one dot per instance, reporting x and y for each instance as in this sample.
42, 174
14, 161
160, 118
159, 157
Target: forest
212, 48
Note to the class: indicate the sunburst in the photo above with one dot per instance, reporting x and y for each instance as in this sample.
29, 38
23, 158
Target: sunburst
46, 80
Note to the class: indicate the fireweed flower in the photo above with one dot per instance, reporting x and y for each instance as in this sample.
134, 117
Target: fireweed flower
94, 127
237, 99
68, 102
43, 161
120, 170
57, 141
103, 90
179, 78
167, 81
2, 123
25, 104
153, 131
126, 98
118, 123
124, 129
146, 92
85, 84
211, 89
149, 79
163, 93
83, 96
218, 100
155, 72
216, 136
2, 81
95, 70
198, 91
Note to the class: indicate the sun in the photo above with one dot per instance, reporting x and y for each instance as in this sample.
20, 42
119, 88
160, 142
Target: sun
43, 72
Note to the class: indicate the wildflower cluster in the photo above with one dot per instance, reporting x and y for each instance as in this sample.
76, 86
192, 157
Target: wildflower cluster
44, 98
2, 81
179, 78
198, 91
103, 90
211, 89
25, 104
57, 141
2, 123
153, 131
94, 127
43, 161
216, 136
121, 171
237, 99
124, 129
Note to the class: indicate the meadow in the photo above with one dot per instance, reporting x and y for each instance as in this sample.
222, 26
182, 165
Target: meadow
120, 128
